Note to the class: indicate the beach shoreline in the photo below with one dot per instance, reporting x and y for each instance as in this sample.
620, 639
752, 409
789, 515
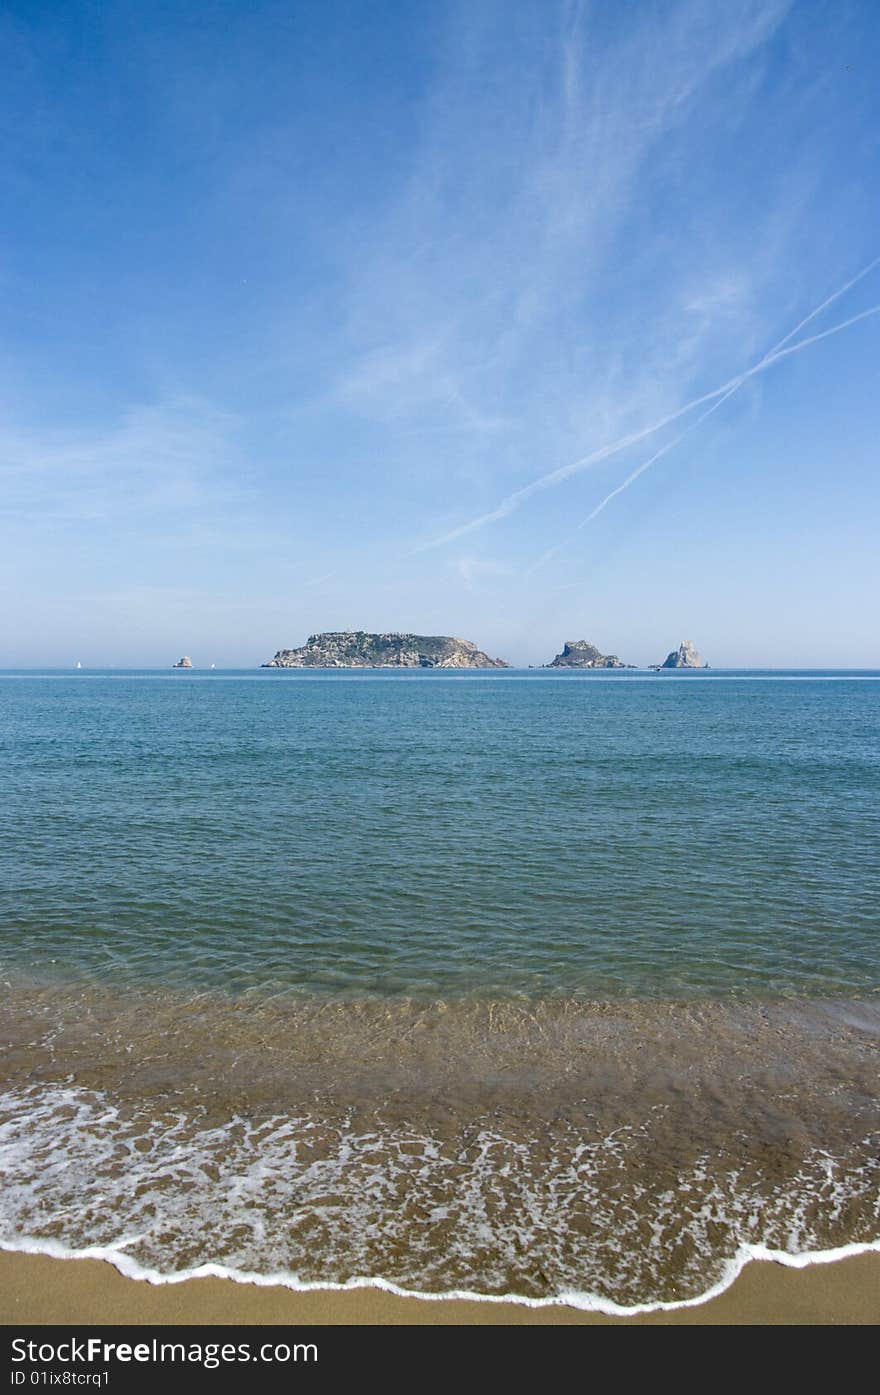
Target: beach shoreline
41, 1290
639, 1153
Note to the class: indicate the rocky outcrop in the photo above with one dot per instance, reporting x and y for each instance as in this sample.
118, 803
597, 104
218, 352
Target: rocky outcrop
578, 653
685, 656
185, 662
357, 649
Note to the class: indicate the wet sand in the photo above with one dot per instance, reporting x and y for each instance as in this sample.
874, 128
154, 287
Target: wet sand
625, 1150
37, 1289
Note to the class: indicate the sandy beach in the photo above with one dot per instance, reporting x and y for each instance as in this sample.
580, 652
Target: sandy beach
37, 1289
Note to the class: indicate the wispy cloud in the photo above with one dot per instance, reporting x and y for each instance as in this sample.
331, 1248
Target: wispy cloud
717, 396
176, 458
394, 383
477, 301
473, 570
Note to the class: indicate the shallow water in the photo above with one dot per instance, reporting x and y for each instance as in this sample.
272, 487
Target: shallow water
626, 1151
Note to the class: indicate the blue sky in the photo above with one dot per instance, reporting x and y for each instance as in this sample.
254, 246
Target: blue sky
308, 308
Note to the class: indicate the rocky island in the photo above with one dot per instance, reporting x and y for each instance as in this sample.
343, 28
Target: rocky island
358, 649
578, 653
685, 656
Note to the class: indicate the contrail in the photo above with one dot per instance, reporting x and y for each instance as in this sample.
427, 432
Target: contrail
773, 356
512, 501
630, 479
813, 339
835, 295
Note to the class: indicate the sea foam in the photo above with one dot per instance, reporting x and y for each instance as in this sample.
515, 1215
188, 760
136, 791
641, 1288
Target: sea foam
325, 1203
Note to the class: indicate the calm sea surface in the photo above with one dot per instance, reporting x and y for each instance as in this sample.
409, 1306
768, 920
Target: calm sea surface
526, 982
436, 834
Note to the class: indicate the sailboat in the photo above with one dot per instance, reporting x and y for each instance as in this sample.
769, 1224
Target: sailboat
78, 664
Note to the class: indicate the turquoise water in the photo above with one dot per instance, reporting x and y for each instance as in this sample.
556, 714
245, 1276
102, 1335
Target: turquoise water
440, 835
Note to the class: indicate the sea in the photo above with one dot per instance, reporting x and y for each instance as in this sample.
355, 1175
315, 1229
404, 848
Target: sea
559, 987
